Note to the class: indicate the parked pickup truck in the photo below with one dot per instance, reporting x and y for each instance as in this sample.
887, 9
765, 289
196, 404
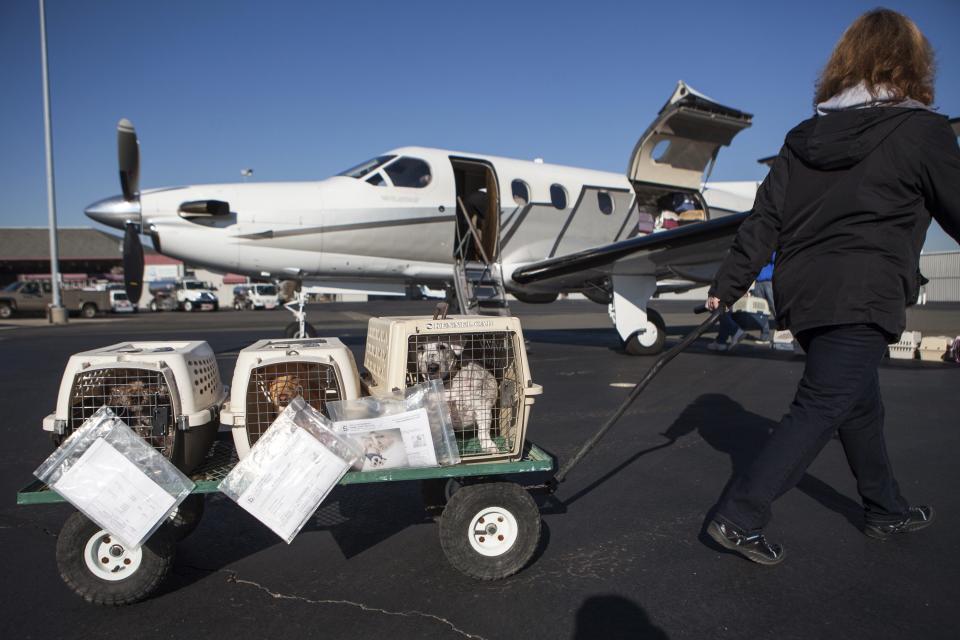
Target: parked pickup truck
34, 296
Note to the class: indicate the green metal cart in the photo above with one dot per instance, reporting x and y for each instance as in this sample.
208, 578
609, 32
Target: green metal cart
489, 525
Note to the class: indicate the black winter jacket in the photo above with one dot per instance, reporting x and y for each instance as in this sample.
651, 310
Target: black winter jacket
846, 206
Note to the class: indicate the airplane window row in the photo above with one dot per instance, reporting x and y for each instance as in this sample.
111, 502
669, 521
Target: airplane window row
558, 196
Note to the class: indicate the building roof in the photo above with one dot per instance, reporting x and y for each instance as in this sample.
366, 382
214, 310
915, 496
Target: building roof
76, 243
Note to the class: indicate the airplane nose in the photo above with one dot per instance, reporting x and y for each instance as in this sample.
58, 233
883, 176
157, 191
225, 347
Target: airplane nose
113, 212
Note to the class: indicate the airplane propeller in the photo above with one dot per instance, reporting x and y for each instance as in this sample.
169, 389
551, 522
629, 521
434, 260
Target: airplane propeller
128, 159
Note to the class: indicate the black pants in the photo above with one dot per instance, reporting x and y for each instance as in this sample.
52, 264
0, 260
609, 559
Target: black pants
839, 390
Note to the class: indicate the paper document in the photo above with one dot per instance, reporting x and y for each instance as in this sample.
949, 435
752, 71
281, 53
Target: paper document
301, 474
113, 492
390, 442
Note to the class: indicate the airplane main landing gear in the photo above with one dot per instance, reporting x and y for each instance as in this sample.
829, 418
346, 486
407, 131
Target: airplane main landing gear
641, 329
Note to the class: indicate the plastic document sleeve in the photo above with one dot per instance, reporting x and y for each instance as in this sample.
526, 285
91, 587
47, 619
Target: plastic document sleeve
290, 470
115, 478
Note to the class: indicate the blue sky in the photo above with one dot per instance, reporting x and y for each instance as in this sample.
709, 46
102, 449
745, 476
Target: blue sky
300, 91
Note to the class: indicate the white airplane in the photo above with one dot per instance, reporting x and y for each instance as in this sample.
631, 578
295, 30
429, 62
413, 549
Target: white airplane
491, 225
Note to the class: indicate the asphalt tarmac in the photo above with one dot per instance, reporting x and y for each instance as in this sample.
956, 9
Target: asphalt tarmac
623, 554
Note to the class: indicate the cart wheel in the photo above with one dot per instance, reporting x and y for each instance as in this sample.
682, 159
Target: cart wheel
437, 492
490, 531
651, 341
102, 571
187, 516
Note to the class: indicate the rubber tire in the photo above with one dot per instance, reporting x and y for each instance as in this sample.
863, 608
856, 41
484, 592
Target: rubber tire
294, 327
188, 306
465, 504
6, 311
89, 310
158, 553
633, 346
187, 517
536, 298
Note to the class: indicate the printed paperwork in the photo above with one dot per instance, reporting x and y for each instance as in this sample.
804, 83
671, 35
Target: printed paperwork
392, 441
114, 493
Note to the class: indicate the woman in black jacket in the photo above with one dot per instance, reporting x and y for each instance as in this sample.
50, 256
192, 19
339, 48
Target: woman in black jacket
846, 206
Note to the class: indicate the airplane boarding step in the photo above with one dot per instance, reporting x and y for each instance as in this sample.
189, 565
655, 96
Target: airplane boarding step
480, 289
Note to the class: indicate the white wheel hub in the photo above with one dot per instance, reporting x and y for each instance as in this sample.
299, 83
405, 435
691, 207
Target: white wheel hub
493, 531
110, 559
648, 336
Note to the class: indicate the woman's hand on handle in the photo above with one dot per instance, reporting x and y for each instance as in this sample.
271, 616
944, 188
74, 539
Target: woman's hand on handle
712, 303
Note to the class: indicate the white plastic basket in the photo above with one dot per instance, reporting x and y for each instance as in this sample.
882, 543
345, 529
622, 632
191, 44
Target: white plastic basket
906, 348
271, 373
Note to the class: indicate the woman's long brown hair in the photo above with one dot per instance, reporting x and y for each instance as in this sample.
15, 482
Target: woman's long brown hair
883, 49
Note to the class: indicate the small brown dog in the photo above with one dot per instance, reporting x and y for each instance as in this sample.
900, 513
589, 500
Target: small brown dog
283, 389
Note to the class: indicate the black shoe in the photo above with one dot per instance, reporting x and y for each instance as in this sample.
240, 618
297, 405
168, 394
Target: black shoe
919, 517
753, 547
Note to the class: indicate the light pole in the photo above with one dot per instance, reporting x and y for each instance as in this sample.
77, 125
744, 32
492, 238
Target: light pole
58, 315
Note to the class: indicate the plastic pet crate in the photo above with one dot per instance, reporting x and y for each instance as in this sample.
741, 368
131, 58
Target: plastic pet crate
484, 368
906, 348
934, 348
271, 373
169, 393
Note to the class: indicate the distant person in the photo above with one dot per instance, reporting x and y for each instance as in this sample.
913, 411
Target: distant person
763, 288
846, 206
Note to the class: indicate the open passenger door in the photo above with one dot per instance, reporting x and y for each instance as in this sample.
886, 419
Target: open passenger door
674, 153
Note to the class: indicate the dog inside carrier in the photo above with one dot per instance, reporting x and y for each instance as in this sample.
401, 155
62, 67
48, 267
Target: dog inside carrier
482, 363
168, 393
270, 373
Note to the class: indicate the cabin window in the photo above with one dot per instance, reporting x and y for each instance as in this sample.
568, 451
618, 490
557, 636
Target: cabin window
558, 196
660, 151
377, 180
366, 168
30, 289
605, 202
409, 172
521, 192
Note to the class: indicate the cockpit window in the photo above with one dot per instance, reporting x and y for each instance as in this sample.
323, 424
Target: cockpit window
377, 180
367, 167
409, 172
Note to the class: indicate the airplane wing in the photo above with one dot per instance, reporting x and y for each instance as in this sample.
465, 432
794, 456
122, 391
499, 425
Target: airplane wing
691, 253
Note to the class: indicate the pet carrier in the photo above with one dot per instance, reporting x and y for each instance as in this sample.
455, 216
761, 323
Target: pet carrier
906, 348
483, 365
271, 373
169, 393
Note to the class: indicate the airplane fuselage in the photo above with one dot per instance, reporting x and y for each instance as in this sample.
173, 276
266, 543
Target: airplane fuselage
368, 228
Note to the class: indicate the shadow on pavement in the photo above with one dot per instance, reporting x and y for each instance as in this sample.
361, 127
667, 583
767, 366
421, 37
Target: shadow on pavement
727, 427
612, 617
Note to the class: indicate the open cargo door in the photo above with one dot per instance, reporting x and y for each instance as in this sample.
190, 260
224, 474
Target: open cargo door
673, 154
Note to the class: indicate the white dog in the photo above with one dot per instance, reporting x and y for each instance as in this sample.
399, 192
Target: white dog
471, 389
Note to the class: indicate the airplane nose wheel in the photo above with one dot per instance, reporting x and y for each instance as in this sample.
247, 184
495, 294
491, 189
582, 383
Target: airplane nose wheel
293, 330
299, 328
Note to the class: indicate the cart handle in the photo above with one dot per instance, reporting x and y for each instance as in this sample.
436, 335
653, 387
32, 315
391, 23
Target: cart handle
634, 393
